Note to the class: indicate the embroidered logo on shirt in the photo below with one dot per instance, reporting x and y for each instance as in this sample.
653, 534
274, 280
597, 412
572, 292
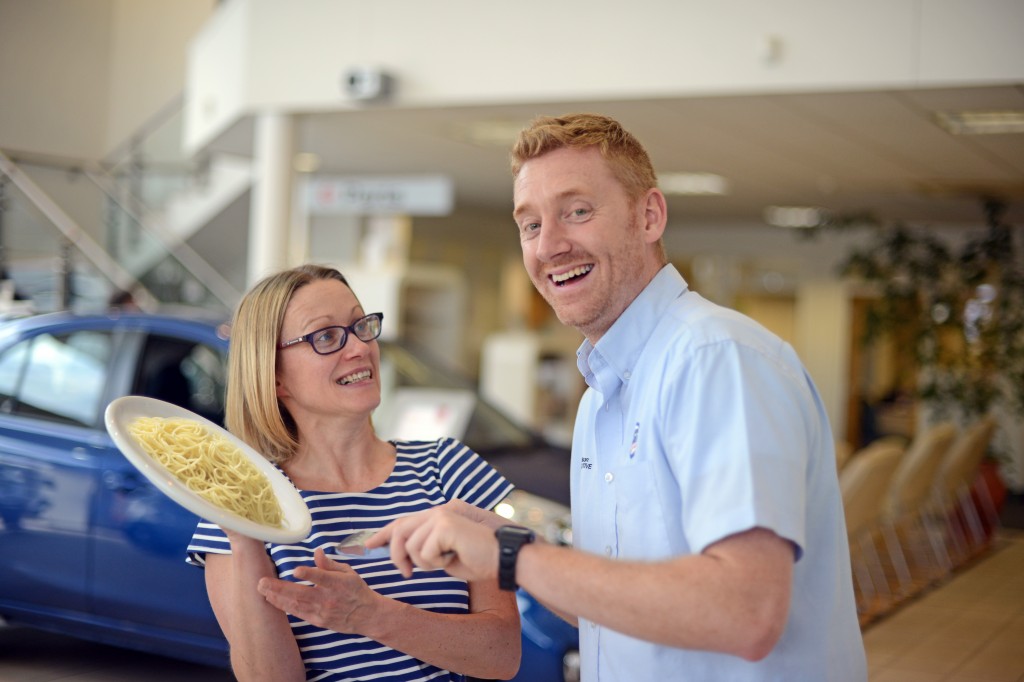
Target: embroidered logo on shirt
586, 463
632, 446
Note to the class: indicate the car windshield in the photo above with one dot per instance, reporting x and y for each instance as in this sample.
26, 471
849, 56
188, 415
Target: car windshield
422, 399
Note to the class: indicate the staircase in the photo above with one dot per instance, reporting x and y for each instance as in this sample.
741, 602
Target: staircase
120, 226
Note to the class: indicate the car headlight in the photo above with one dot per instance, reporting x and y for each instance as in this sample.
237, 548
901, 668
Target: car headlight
571, 666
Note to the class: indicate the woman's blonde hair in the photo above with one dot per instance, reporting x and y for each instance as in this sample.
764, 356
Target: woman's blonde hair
253, 411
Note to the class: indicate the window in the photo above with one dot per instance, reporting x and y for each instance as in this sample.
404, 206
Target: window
12, 364
185, 373
61, 378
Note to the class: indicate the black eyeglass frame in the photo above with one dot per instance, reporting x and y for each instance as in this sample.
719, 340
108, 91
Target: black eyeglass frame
346, 330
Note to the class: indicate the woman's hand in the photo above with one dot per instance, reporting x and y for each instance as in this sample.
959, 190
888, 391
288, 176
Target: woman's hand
338, 598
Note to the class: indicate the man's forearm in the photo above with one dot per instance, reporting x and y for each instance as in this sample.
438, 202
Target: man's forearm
733, 599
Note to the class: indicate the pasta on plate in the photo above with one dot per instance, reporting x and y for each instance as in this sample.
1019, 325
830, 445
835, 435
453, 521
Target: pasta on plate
210, 465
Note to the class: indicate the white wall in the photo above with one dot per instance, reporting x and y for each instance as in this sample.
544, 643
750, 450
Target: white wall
78, 77
267, 54
823, 342
54, 76
147, 59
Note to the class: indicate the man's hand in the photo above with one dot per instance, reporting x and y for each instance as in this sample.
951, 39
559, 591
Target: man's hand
456, 537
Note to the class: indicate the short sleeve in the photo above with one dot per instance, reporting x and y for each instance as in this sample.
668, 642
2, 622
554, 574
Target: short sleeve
741, 425
208, 539
466, 476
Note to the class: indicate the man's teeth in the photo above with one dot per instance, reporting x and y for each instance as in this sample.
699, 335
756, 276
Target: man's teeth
352, 378
575, 272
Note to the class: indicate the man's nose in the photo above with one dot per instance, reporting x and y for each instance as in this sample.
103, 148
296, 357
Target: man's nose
553, 241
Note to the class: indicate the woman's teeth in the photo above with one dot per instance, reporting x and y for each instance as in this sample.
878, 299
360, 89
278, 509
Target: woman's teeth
575, 272
352, 378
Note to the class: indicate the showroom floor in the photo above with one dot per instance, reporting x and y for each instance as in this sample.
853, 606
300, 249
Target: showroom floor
971, 629
33, 656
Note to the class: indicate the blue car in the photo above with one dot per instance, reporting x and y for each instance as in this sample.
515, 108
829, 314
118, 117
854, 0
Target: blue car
92, 549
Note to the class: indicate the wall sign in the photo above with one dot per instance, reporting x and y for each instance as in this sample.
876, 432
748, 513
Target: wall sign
414, 195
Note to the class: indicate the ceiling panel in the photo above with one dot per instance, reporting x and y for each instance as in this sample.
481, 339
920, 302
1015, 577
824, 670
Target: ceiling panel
853, 151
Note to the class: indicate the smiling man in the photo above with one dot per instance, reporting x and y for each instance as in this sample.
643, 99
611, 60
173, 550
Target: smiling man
709, 540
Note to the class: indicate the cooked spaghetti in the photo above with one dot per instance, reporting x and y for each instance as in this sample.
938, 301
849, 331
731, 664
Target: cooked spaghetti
209, 465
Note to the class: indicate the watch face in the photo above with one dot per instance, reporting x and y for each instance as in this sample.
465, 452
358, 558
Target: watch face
515, 532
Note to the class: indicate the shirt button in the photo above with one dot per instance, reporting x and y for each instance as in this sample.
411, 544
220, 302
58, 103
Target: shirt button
608, 550
627, 375
609, 477
593, 626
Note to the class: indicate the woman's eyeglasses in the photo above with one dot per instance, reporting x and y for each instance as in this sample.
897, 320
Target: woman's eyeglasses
332, 339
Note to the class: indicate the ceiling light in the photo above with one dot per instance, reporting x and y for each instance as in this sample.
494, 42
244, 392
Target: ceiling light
693, 184
496, 133
795, 216
982, 122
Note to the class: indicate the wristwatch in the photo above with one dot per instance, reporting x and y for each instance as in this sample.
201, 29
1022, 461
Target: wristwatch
510, 539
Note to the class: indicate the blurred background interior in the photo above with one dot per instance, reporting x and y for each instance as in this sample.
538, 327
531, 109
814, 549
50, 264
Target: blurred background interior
850, 175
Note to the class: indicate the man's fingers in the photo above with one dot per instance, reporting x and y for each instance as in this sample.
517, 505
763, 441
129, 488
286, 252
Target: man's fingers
381, 537
396, 534
399, 552
430, 545
424, 539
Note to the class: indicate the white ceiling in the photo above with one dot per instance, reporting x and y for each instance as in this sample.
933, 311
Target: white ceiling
879, 152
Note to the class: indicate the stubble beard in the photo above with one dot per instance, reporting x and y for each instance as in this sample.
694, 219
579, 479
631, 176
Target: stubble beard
595, 314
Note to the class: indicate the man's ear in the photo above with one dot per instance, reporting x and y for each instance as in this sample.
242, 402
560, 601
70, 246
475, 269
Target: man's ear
655, 214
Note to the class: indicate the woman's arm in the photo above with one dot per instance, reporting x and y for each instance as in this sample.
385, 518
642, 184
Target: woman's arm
484, 643
260, 638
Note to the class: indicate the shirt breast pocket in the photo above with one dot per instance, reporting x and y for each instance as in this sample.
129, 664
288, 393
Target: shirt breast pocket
640, 526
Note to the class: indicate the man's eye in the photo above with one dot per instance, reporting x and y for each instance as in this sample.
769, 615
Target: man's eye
580, 212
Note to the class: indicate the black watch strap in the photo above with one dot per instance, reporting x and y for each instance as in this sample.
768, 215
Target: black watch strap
510, 540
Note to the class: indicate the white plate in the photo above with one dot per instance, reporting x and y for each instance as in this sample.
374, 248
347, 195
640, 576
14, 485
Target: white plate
122, 412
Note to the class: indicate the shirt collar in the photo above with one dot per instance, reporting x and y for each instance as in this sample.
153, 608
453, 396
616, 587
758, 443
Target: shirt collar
609, 364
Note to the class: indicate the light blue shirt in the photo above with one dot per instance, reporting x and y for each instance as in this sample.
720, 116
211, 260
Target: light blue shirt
698, 423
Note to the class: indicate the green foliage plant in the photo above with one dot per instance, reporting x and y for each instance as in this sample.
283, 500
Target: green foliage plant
958, 313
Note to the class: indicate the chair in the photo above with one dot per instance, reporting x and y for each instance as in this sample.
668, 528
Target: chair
954, 481
843, 452
863, 483
908, 494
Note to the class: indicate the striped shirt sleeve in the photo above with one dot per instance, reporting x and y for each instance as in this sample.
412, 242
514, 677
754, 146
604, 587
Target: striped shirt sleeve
466, 476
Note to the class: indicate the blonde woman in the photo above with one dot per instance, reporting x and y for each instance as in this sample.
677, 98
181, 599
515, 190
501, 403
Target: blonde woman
303, 380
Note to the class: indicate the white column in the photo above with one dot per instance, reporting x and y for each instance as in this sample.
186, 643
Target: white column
270, 209
823, 343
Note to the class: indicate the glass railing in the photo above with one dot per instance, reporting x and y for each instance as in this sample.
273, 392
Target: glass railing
48, 270
73, 234
152, 166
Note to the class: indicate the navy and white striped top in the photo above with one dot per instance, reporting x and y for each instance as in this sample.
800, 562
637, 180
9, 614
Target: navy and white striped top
426, 474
